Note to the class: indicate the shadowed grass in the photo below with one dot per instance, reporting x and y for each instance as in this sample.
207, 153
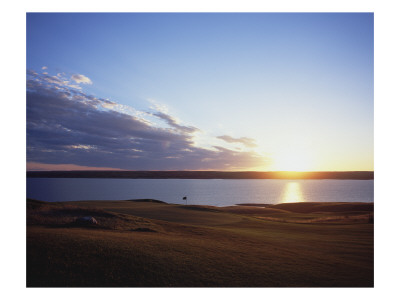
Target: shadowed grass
153, 244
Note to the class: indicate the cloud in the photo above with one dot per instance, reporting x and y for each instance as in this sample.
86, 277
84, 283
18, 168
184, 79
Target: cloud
52, 82
44, 68
66, 126
79, 78
173, 122
248, 142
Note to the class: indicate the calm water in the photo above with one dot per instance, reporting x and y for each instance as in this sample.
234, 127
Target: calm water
202, 191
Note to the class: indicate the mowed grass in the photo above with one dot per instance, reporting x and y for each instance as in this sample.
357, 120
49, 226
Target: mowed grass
150, 244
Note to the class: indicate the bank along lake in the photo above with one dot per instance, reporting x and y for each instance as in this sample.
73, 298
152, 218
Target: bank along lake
216, 192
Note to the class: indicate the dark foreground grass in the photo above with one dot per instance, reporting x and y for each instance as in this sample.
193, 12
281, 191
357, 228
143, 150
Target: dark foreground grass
192, 247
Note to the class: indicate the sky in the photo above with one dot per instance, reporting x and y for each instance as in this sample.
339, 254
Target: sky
200, 91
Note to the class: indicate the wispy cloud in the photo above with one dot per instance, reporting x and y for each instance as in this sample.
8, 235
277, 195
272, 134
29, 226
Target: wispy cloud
67, 126
174, 123
248, 142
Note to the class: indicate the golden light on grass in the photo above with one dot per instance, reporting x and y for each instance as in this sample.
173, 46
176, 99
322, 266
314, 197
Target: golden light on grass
292, 193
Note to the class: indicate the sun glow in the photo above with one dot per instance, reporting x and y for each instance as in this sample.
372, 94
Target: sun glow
292, 161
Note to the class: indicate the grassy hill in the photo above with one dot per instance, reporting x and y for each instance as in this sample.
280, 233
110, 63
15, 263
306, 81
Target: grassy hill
153, 244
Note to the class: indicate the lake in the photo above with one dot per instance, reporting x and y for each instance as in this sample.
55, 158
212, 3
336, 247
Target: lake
217, 192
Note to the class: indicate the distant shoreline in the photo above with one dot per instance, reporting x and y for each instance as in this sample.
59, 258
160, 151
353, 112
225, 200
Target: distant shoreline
356, 175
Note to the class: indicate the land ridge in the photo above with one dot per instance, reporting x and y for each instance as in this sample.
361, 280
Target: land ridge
356, 175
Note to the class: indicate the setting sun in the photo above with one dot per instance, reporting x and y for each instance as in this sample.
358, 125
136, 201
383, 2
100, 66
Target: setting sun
292, 161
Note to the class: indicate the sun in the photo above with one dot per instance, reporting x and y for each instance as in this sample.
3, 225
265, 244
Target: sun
292, 160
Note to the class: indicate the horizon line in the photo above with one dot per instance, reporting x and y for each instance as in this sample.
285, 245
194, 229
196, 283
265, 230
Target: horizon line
229, 171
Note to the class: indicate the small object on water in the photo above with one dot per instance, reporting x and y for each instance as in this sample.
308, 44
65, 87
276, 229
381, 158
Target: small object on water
87, 220
185, 198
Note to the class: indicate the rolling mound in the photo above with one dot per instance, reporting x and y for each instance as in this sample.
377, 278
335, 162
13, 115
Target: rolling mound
330, 207
55, 214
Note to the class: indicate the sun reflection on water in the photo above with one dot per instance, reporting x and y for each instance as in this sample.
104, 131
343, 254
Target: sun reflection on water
292, 193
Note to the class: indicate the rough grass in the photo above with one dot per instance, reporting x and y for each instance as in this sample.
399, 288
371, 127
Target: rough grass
307, 207
308, 212
151, 244
66, 215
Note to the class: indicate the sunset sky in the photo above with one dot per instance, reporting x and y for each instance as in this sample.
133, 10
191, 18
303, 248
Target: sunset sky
257, 91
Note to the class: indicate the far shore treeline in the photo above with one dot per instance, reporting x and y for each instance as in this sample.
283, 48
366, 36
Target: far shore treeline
359, 175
